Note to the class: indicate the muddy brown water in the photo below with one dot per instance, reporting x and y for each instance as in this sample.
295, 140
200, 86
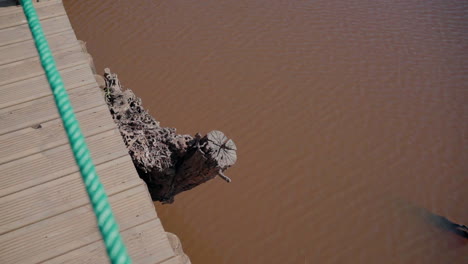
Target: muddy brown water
346, 114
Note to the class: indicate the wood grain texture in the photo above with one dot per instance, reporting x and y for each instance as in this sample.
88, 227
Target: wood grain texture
10, 7
32, 140
73, 229
52, 198
18, 52
31, 67
22, 32
44, 10
37, 87
224, 150
54, 163
44, 109
147, 244
45, 211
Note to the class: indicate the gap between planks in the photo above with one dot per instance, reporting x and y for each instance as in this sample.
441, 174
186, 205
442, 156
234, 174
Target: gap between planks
17, 8
64, 194
147, 243
20, 33
73, 229
38, 87
29, 68
50, 134
162, 250
45, 10
57, 162
27, 49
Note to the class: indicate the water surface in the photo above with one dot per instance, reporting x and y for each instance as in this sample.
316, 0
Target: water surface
346, 114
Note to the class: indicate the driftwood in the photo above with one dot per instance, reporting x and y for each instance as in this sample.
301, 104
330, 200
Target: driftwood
169, 163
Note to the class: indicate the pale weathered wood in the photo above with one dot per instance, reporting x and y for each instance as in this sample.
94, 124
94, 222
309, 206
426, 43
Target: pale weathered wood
57, 162
63, 194
10, 7
180, 255
37, 87
29, 68
176, 260
224, 150
147, 244
24, 50
31, 140
22, 32
44, 10
91, 63
76, 228
45, 212
100, 81
44, 109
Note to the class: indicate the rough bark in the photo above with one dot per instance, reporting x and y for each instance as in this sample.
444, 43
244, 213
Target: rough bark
168, 162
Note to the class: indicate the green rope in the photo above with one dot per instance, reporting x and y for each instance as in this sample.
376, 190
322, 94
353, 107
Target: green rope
116, 249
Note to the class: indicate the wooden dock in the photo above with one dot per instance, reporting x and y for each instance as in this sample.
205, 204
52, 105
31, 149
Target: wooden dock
45, 215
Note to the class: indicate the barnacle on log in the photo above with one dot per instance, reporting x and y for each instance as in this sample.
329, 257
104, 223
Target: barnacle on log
169, 163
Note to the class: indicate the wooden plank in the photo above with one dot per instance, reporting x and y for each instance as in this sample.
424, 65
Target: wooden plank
37, 87
44, 109
9, 6
45, 10
55, 197
175, 260
22, 32
30, 140
146, 243
57, 162
74, 229
31, 67
25, 50
45, 212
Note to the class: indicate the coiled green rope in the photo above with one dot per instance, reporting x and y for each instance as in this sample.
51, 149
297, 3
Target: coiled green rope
116, 249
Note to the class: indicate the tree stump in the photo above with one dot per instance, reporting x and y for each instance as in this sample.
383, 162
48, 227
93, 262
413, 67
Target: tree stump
224, 150
169, 163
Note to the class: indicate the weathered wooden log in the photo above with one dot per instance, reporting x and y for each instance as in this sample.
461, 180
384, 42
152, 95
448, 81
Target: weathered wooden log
224, 150
169, 163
